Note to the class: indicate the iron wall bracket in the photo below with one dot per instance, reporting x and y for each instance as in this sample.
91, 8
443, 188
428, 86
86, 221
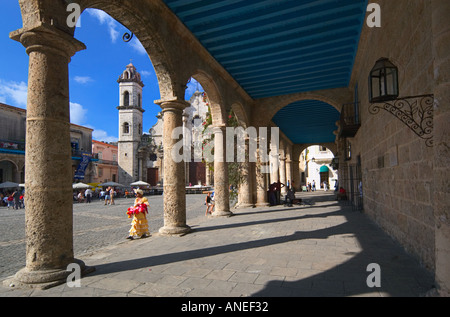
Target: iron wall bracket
415, 112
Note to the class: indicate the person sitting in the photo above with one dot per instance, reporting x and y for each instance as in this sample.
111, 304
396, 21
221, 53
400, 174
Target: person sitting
290, 197
342, 194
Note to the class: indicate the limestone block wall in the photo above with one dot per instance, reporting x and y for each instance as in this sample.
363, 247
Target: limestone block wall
397, 166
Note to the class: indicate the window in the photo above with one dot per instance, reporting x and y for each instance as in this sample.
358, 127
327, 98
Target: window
126, 99
126, 128
348, 151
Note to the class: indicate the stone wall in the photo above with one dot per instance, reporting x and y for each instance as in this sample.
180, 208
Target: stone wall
397, 166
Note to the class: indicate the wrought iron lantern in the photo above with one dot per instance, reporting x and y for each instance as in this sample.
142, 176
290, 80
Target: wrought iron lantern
415, 111
335, 163
383, 81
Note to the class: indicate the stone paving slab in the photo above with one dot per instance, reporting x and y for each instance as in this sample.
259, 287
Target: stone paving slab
318, 250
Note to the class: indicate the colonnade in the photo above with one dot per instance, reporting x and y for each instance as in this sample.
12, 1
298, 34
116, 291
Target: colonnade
49, 220
50, 46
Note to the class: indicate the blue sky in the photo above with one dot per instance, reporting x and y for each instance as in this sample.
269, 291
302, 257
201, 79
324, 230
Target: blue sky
94, 91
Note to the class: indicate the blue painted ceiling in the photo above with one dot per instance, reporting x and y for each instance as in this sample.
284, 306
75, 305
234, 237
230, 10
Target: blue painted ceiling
315, 125
277, 47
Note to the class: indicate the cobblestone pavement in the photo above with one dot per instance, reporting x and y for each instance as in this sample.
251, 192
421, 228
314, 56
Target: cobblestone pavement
95, 226
321, 249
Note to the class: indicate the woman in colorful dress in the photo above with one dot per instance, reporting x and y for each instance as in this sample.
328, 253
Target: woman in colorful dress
139, 225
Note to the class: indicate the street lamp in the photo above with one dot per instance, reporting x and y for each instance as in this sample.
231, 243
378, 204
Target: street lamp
416, 112
383, 81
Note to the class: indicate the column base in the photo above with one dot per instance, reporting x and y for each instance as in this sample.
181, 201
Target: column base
220, 213
169, 231
262, 205
240, 206
44, 279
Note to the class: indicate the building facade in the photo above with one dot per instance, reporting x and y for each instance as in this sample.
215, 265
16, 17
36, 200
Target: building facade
316, 162
196, 173
12, 145
106, 168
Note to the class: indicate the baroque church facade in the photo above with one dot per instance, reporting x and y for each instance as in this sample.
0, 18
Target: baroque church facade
140, 155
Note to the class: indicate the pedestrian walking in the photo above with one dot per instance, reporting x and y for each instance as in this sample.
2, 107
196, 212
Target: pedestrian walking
209, 204
16, 196
107, 196
139, 225
10, 201
112, 192
88, 194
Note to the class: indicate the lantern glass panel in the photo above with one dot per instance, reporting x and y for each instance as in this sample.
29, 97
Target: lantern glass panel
383, 81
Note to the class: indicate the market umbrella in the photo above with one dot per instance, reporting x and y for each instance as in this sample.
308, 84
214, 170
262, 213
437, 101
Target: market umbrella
140, 183
81, 186
112, 184
9, 185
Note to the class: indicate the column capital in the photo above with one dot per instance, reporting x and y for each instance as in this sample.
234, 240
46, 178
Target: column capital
47, 37
172, 105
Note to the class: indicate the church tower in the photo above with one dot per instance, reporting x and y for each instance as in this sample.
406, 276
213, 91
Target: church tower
130, 124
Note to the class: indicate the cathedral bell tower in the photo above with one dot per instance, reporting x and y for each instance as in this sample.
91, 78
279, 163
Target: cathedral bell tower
130, 124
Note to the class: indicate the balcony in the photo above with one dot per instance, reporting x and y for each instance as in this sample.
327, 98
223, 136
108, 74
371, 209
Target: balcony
12, 147
349, 122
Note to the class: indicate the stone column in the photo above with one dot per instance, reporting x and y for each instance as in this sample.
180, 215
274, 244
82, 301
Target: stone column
282, 168
221, 183
296, 175
48, 219
208, 175
245, 188
261, 171
441, 193
174, 171
275, 164
296, 167
289, 164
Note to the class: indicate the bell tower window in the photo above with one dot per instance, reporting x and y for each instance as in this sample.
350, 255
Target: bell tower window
126, 99
126, 128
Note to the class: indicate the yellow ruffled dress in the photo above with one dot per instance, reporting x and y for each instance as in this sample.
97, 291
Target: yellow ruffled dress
139, 225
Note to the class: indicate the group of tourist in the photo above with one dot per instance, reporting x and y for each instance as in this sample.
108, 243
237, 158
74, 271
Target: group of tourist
85, 196
14, 199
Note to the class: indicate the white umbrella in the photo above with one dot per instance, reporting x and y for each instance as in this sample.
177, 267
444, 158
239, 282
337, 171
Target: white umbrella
9, 185
140, 183
112, 184
81, 186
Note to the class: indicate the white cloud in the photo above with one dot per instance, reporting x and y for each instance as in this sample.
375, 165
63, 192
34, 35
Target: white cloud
137, 46
103, 136
104, 18
145, 73
13, 93
77, 113
83, 79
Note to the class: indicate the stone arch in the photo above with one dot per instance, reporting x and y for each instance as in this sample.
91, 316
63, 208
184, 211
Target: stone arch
218, 111
241, 115
15, 165
142, 19
301, 147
